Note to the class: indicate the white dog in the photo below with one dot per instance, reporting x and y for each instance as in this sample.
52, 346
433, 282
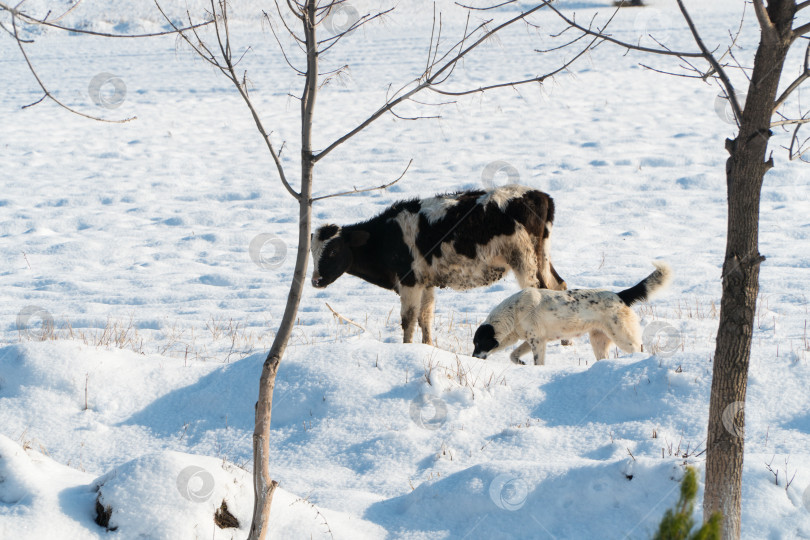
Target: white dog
542, 315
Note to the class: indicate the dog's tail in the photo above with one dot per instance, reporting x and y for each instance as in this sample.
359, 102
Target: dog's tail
651, 284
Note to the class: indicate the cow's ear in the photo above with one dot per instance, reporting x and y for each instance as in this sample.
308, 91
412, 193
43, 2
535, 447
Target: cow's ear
358, 238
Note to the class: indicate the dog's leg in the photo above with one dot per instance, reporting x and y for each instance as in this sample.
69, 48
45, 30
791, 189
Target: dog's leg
426, 315
410, 298
520, 351
539, 350
600, 343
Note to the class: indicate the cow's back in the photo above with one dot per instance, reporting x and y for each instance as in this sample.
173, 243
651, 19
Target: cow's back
470, 239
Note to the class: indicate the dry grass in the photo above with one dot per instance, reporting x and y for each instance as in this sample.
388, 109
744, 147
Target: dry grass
461, 375
221, 339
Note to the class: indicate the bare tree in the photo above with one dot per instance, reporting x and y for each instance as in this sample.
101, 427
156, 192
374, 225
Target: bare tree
309, 15
745, 170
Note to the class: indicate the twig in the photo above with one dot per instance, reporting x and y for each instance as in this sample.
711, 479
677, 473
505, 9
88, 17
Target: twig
355, 190
344, 319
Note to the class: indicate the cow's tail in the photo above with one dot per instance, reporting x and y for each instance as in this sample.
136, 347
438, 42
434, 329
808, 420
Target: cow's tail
547, 275
649, 286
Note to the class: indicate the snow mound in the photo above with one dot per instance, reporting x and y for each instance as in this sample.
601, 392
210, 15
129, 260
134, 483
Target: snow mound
174, 495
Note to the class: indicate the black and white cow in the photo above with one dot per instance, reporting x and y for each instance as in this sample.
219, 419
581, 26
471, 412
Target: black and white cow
460, 240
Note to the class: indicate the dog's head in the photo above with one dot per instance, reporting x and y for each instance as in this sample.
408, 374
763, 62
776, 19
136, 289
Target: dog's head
485, 341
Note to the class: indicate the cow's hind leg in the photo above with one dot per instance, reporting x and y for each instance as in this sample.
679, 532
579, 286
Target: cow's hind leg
410, 298
426, 315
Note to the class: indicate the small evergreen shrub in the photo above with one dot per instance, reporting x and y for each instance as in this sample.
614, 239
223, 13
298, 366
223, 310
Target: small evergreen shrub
678, 522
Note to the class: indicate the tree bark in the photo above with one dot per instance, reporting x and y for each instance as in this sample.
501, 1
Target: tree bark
263, 485
745, 170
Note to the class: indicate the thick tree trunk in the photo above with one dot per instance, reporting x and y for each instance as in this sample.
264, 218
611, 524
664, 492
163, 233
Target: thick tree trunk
263, 485
745, 170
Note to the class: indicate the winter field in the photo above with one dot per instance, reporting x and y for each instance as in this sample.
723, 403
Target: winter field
141, 243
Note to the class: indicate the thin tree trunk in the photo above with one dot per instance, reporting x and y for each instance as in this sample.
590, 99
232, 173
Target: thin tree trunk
263, 485
745, 170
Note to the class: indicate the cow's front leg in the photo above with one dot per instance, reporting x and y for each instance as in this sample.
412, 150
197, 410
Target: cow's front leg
539, 350
426, 315
411, 299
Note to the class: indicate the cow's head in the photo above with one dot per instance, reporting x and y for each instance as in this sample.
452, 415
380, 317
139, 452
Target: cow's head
332, 254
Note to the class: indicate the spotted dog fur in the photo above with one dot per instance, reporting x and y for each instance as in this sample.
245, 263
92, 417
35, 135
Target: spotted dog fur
538, 316
459, 240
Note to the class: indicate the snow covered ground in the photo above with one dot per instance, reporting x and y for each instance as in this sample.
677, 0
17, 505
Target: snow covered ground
135, 240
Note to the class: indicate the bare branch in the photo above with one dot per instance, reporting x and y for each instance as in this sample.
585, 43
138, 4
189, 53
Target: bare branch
600, 34
701, 76
430, 43
199, 47
281, 16
67, 11
229, 69
790, 122
37, 102
802, 5
45, 89
35, 21
426, 80
563, 46
797, 82
800, 31
538, 79
768, 28
471, 8
732, 97
9, 32
794, 139
355, 190
357, 24
297, 10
